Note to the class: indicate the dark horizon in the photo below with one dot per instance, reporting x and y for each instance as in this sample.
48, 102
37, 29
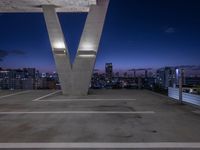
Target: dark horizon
137, 34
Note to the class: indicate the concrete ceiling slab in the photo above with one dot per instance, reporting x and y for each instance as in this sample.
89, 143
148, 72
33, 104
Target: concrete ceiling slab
26, 6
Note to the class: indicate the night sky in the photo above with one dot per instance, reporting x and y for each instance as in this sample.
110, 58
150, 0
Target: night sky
137, 34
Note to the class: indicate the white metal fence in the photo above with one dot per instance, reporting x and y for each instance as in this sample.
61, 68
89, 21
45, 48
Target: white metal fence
187, 97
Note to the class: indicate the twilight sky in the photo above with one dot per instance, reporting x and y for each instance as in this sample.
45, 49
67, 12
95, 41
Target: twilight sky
137, 34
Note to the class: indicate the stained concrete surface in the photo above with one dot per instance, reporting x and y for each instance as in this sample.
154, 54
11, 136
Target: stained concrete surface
171, 122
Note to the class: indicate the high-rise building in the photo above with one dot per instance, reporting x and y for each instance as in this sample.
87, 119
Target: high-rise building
134, 73
166, 77
109, 71
146, 74
29, 72
180, 73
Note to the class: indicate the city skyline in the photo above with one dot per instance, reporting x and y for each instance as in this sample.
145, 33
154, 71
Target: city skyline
142, 39
190, 70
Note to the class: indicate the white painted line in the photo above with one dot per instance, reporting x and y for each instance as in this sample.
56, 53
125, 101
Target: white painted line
77, 112
196, 112
9, 95
39, 98
160, 145
71, 100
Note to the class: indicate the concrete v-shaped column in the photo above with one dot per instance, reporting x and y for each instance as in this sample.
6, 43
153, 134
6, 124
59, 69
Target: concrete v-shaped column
75, 79
59, 48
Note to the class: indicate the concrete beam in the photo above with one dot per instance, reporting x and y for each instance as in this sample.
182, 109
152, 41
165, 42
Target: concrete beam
34, 6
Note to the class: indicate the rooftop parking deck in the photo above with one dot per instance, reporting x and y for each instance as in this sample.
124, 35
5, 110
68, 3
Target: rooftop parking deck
123, 119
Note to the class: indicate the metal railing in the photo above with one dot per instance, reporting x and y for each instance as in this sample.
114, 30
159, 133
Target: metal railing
186, 97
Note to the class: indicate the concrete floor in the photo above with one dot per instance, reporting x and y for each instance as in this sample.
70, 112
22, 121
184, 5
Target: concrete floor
105, 116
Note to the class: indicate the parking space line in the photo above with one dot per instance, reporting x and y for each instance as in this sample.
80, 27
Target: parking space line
50, 94
77, 112
9, 95
160, 145
71, 100
196, 112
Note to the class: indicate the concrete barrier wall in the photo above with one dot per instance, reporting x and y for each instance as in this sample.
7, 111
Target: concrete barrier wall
187, 97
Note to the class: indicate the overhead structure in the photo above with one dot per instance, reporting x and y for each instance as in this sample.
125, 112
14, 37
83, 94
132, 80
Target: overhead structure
74, 78
31, 6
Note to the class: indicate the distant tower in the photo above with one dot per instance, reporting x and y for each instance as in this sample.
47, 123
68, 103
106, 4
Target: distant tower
180, 72
166, 77
146, 74
183, 77
134, 73
109, 71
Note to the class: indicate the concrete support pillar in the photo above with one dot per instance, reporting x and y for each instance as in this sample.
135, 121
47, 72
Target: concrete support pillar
59, 48
75, 79
88, 47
